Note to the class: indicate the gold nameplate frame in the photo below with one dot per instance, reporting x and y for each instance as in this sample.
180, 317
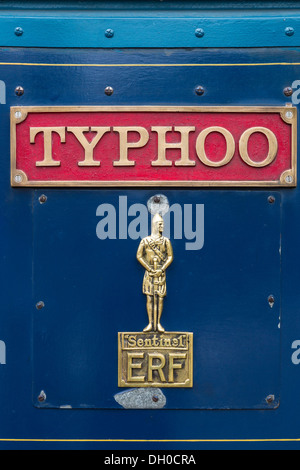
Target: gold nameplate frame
136, 146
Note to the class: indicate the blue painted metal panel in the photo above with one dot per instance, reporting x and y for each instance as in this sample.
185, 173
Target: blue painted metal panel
148, 24
256, 76
92, 289
151, 31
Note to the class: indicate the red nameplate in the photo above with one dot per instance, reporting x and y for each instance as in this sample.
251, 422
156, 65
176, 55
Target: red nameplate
153, 146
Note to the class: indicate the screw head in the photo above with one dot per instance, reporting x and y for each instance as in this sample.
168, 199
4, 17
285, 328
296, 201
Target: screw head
155, 399
199, 90
19, 91
43, 199
109, 90
270, 399
288, 91
289, 31
42, 396
271, 199
40, 305
109, 33
271, 300
199, 33
18, 178
19, 31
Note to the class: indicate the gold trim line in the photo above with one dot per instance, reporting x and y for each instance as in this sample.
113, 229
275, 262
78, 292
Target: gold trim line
151, 440
36, 64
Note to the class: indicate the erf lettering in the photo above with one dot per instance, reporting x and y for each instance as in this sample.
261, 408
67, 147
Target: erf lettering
154, 362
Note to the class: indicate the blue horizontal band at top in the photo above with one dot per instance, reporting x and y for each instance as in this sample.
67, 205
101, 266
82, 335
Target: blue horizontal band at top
82, 31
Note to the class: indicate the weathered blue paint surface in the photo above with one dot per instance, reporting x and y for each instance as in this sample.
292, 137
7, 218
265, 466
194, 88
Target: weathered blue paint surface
50, 252
92, 290
149, 24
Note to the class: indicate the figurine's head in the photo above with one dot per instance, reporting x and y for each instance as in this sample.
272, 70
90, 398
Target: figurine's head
157, 225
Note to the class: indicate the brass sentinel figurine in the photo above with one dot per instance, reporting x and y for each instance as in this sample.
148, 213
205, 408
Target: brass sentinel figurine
155, 254
155, 357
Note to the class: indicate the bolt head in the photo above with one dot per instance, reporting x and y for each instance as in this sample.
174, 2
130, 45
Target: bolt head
19, 91
42, 396
43, 199
271, 199
289, 31
19, 31
108, 90
40, 305
288, 91
109, 33
199, 33
199, 90
270, 399
18, 178
271, 300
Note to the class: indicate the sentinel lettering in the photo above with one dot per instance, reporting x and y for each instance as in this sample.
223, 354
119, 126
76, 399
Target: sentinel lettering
136, 341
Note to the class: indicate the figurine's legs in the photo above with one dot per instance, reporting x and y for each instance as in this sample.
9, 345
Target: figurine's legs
150, 313
160, 309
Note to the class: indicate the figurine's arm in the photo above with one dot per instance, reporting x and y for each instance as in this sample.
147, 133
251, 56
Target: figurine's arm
140, 258
170, 256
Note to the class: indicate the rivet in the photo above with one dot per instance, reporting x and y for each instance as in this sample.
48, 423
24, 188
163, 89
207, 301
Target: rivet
270, 399
108, 90
42, 396
289, 31
199, 33
19, 91
288, 91
271, 199
18, 178
199, 90
109, 33
43, 199
155, 399
271, 300
40, 305
19, 31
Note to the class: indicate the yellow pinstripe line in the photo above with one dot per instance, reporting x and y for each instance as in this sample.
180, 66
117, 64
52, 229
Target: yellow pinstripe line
150, 440
149, 65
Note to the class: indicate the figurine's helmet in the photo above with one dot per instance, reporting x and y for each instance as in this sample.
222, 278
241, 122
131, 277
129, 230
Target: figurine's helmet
156, 219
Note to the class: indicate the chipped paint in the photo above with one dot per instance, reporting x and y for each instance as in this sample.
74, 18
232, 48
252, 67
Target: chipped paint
141, 398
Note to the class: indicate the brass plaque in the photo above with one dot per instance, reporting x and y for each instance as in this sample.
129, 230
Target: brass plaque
126, 146
156, 359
